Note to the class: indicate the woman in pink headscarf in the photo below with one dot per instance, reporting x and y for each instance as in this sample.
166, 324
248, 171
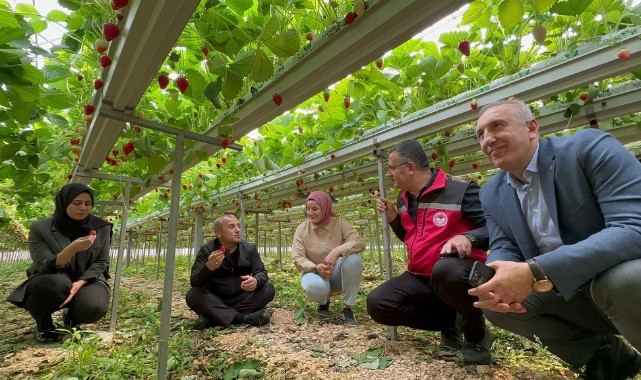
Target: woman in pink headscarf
325, 250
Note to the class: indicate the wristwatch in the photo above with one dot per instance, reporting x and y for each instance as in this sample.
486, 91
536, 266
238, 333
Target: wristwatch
541, 281
470, 237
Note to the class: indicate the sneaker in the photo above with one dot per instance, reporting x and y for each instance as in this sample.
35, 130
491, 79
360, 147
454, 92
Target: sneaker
478, 352
257, 318
348, 317
202, 323
614, 360
451, 339
47, 336
323, 310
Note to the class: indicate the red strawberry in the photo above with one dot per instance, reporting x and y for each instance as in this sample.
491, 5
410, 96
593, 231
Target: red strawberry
115, 152
434, 155
473, 104
309, 36
331, 189
326, 95
332, 156
92, 232
185, 187
166, 195
110, 31
452, 163
218, 165
583, 96
182, 84
205, 51
97, 84
223, 249
89, 109
224, 143
163, 81
160, 178
74, 141
117, 4
105, 61
69, 176
464, 47
379, 63
277, 99
224, 160
101, 45
80, 78
475, 165
624, 54
346, 101
171, 171
350, 17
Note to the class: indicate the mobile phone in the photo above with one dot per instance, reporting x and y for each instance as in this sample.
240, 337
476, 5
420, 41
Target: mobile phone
480, 274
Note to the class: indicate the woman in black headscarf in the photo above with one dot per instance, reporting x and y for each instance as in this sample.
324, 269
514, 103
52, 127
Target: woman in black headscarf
70, 254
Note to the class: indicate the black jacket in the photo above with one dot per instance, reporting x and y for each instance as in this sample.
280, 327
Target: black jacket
225, 281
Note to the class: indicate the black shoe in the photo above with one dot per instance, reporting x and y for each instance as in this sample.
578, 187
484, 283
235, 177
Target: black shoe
257, 318
323, 310
47, 336
69, 323
202, 323
348, 317
478, 352
451, 339
613, 361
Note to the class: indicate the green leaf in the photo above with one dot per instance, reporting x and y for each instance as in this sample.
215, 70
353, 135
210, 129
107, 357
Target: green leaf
75, 21
541, 6
54, 73
38, 25
243, 63
27, 10
262, 67
156, 163
57, 119
270, 29
510, 13
7, 171
25, 93
570, 7
8, 20
57, 16
9, 150
22, 111
233, 84
284, 44
29, 74
324, 147
478, 12
239, 6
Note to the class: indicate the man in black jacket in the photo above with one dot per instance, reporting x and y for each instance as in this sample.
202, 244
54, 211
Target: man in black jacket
229, 281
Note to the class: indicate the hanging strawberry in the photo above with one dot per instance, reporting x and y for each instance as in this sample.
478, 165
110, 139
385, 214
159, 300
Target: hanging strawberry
163, 81
97, 84
182, 84
205, 51
89, 109
350, 17
379, 63
277, 99
346, 101
105, 61
110, 31
117, 4
101, 45
326, 95
464, 48
224, 144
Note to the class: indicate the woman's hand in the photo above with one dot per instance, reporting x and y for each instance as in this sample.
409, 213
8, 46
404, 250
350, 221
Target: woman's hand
83, 243
331, 258
323, 270
74, 289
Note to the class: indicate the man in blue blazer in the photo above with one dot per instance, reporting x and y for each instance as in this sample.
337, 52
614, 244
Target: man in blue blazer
564, 218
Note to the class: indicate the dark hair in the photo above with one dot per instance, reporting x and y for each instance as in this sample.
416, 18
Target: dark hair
412, 150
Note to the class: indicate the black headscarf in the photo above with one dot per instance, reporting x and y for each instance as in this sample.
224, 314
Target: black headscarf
69, 227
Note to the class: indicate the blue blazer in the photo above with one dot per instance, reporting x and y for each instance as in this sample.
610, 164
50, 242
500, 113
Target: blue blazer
592, 186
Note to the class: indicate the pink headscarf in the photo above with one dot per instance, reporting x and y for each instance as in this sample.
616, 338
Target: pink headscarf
325, 203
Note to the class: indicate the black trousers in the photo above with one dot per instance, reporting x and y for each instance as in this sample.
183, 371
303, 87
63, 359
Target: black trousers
45, 293
429, 303
223, 311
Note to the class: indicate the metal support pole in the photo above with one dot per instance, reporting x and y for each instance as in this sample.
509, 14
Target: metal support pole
129, 238
198, 236
280, 248
158, 249
170, 260
243, 230
121, 251
385, 226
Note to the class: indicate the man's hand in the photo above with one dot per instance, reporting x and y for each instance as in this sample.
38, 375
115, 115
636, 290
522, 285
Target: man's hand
248, 283
383, 204
460, 244
504, 293
72, 292
323, 270
215, 260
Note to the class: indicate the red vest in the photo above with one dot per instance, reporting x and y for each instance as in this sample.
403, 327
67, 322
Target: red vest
438, 219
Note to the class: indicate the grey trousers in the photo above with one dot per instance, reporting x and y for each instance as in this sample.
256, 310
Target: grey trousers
347, 275
574, 329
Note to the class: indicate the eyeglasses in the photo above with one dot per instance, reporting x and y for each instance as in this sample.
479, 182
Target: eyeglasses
391, 168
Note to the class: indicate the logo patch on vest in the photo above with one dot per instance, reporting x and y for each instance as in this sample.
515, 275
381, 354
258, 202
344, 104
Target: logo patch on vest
440, 219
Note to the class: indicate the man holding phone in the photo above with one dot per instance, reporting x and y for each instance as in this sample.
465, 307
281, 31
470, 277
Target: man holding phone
564, 217
229, 281
440, 220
